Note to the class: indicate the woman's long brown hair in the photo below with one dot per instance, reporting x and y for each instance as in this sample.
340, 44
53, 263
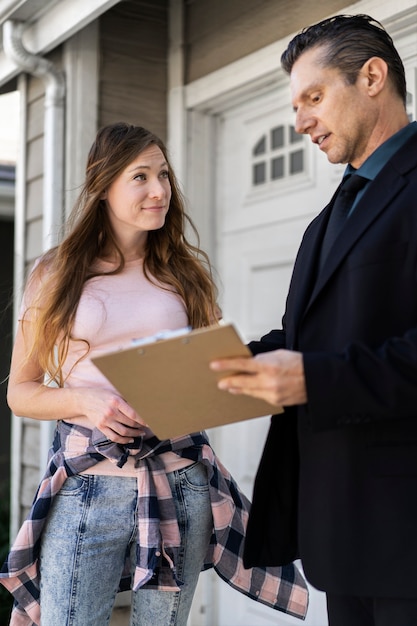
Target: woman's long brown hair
63, 270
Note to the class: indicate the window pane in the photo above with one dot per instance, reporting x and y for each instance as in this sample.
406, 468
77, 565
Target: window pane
295, 137
259, 172
260, 146
296, 162
277, 168
277, 137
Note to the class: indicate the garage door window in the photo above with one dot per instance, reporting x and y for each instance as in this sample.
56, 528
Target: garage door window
278, 154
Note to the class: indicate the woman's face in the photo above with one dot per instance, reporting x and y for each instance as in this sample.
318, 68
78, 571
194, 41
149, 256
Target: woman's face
138, 199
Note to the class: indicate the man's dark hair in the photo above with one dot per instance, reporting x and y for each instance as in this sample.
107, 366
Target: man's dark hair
348, 42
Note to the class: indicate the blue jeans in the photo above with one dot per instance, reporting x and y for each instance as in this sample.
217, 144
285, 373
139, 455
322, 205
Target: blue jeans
89, 530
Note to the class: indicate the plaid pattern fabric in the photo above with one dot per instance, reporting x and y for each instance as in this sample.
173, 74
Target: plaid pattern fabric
75, 449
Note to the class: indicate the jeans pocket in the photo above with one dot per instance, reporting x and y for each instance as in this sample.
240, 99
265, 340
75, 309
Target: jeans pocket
73, 485
195, 477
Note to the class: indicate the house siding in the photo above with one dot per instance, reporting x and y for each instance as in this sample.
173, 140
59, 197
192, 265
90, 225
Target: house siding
218, 33
133, 71
34, 168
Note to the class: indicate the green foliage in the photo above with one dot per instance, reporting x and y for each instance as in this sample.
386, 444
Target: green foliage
6, 600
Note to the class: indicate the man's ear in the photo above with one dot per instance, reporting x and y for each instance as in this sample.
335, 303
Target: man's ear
375, 72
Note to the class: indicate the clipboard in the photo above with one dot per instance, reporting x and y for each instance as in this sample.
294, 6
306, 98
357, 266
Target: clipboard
170, 385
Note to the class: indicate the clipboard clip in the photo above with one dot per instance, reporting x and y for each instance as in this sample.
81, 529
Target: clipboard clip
162, 334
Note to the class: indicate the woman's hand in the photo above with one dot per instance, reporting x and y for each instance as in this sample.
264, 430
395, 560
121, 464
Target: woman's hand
112, 415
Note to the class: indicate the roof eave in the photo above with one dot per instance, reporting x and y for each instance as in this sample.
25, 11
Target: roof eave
48, 25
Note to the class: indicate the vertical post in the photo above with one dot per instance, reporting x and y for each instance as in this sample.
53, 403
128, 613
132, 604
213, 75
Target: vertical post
18, 281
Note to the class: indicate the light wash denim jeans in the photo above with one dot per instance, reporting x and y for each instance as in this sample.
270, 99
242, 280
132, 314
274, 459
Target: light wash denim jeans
91, 526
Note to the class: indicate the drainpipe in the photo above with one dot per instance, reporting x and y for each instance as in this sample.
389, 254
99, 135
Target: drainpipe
53, 156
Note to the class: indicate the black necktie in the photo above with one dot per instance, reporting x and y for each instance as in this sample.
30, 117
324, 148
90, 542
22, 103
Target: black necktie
340, 211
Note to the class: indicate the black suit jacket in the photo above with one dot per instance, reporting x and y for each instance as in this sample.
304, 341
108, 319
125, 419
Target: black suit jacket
341, 492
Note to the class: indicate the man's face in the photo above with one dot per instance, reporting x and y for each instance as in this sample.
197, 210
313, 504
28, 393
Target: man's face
338, 117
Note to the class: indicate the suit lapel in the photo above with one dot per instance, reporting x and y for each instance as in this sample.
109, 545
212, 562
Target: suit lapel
304, 275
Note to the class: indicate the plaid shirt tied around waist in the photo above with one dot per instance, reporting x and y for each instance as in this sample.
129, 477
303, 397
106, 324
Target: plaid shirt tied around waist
75, 449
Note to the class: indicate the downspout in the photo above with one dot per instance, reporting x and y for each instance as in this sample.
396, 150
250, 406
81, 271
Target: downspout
53, 158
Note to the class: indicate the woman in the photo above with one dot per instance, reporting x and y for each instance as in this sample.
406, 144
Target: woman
117, 507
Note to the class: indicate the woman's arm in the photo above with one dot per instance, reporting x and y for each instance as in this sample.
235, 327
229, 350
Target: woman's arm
28, 396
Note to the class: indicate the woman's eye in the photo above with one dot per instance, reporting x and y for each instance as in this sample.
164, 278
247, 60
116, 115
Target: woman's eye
140, 177
164, 174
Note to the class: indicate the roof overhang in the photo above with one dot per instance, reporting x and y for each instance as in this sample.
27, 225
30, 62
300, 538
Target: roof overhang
49, 23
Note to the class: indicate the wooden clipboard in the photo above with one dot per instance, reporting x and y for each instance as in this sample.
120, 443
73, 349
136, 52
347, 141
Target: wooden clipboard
170, 385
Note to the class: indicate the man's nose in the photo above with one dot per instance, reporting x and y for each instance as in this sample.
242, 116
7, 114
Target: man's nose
302, 122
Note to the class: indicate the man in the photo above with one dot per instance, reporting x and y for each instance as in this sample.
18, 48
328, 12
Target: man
340, 490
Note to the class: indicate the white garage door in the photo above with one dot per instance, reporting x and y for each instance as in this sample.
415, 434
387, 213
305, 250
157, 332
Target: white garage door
269, 185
